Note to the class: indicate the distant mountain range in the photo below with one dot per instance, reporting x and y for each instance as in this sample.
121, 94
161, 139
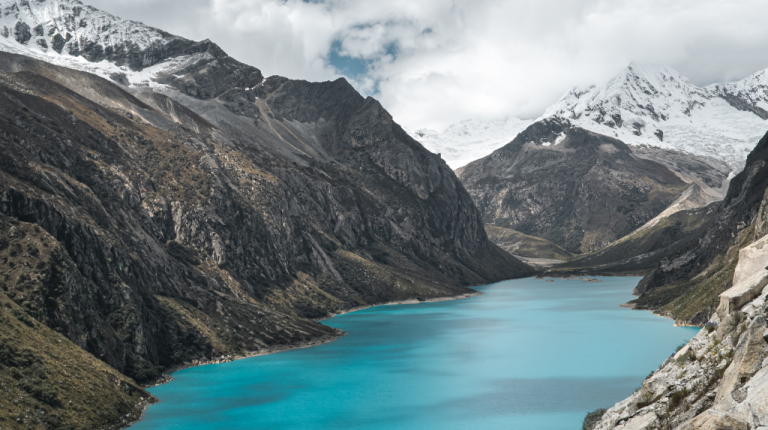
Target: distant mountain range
644, 104
470, 140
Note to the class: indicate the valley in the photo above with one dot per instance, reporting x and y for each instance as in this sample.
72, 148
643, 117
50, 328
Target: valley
165, 205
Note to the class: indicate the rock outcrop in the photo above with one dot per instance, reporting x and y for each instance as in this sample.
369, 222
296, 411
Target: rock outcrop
718, 380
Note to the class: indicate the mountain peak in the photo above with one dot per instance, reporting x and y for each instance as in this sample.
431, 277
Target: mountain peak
749, 94
68, 27
654, 104
71, 34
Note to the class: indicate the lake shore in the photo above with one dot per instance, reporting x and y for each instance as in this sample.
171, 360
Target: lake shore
166, 378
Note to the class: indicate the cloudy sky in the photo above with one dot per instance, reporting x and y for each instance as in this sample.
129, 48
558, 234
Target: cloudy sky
435, 62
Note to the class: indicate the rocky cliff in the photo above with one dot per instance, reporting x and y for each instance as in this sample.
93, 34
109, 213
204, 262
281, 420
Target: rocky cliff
718, 380
220, 216
573, 187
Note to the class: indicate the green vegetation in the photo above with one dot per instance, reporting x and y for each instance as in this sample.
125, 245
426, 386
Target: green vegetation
688, 356
677, 398
710, 326
647, 398
592, 418
50, 383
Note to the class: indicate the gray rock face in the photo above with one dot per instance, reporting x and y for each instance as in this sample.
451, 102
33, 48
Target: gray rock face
748, 359
21, 32
707, 172
719, 380
573, 187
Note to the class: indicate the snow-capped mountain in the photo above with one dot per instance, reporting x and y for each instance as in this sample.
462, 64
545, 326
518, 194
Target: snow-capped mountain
655, 105
644, 104
74, 35
469, 140
749, 94
71, 34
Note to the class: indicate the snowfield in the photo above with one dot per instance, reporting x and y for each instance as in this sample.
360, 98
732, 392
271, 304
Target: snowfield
655, 105
470, 140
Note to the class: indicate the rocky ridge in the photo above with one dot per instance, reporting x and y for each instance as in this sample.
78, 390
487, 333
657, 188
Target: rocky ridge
75, 35
685, 285
749, 94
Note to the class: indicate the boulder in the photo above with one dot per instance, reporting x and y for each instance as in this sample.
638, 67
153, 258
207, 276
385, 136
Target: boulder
715, 420
747, 360
749, 278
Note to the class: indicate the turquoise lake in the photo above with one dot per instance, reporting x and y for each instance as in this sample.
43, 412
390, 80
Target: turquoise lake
527, 354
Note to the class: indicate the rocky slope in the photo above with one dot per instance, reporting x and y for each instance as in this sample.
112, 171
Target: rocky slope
655, 105
642, 250
526, 247
221, 215
47, 380
749, 94
147, 207
719, 380
573, 187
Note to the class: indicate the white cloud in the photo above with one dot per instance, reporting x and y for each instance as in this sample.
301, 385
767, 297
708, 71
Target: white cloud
435, 62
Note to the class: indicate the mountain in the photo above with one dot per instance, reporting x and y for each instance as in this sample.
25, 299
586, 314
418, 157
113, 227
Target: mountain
201, 212
644, 105
568, 185
72, 34
655, 105
470, 140
532, 250
749, 94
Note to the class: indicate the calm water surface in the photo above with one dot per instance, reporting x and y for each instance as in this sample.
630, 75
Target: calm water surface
527, 354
